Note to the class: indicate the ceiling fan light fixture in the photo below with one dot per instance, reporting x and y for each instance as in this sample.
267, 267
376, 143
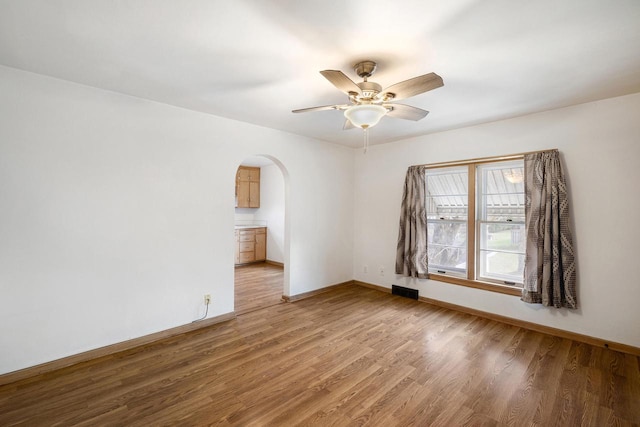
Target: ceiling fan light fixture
365, 115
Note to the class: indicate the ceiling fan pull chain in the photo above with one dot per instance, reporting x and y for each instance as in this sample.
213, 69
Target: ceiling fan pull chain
366, 139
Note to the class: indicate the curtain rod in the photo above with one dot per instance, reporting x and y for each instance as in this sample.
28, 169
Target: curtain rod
485, 159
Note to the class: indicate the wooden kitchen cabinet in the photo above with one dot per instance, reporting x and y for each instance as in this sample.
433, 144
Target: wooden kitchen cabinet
251, 245
261, 244
248, 187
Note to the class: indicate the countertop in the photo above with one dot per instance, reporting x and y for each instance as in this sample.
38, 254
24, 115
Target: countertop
242, 227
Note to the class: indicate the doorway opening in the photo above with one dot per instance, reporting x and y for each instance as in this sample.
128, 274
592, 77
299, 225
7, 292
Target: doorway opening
261, 231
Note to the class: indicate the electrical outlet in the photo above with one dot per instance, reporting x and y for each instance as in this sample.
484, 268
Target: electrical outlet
365, 268
382, 270
207, 299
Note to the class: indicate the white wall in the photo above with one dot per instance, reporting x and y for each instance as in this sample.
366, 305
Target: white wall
271, 210
600, 146
245, 215
117, 213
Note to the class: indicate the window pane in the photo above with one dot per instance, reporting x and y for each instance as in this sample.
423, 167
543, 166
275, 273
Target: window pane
502, 237
447, 193
447, 245
502, 191
502, 266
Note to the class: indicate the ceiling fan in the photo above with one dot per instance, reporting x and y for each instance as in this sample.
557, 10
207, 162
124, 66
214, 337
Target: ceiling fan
369, 102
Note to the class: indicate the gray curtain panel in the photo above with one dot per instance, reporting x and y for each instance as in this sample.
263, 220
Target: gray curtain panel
550, 271
411, 255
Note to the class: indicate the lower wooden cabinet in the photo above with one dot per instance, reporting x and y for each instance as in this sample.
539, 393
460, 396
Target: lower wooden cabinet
261, 244
251, 245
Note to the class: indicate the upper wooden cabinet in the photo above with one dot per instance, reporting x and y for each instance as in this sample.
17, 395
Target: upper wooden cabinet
248, 187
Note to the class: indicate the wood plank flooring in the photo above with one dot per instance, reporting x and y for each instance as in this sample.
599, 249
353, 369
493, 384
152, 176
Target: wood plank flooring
349, 357
257, 286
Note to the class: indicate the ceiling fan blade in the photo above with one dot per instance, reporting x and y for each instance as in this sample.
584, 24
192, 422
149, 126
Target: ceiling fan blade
407, 112
323, 108
348, 125
341, 81
412, 86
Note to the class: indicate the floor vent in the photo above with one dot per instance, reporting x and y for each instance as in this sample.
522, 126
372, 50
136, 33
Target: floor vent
404, 292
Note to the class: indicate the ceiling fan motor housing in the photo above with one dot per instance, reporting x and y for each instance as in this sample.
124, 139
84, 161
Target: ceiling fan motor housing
369, 90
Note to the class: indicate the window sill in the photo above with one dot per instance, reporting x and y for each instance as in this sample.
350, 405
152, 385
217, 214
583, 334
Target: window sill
508, 290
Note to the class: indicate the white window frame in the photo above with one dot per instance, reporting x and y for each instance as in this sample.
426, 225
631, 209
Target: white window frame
480, 215
441, 269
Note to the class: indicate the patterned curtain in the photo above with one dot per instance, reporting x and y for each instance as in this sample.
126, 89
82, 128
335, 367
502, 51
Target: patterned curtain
411, 255
549, 272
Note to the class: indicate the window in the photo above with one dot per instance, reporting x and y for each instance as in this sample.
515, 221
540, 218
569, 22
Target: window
475, 224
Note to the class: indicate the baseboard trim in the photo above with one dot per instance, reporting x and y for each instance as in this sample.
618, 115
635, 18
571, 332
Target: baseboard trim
309, 294
75, 359
276, 263
560, 333
372, 286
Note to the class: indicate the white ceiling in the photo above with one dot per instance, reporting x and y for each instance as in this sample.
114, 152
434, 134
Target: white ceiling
256, 60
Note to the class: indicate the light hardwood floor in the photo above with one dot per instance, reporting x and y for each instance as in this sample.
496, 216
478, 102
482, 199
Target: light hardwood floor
257, 286
351, 356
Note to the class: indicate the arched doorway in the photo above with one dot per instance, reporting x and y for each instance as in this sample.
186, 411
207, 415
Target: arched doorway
261, 278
